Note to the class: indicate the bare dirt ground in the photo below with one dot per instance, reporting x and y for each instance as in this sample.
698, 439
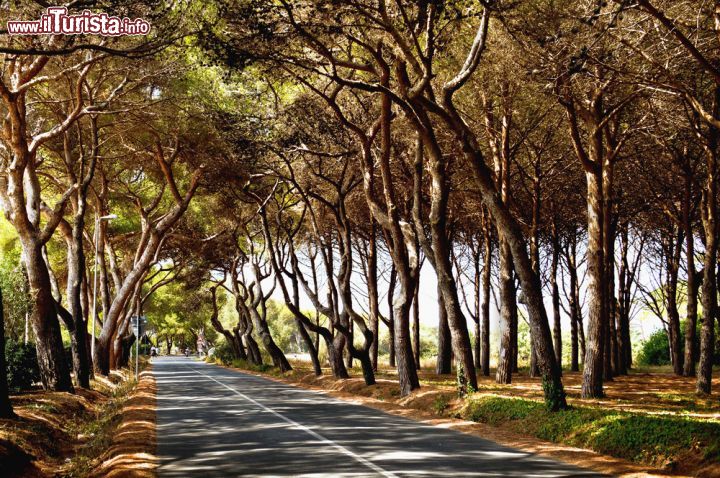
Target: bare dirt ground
648, 392
64, 434
132, 453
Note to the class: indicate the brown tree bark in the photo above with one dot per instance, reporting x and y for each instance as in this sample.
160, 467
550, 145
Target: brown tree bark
443, 364
709, 284
391, 317
507, 306
372, 281
594, 357
692, 282
557, 332
673, 249
153, 237
485, 360
416, 326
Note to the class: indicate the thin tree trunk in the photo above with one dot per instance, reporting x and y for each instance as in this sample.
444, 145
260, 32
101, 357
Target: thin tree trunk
391, 318
575, 324
312, 351
416, 327
709, 284
622, 312
692, 283
485, 360
672, 258
507, 304
557, 332
444, 357
373, 294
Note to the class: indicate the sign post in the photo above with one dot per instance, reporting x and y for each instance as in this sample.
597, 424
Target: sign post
139, 324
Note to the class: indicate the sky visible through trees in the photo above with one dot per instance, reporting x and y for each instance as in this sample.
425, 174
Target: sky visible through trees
499, 186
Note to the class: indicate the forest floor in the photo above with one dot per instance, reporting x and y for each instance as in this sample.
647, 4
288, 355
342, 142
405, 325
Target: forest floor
649, 424
106, 431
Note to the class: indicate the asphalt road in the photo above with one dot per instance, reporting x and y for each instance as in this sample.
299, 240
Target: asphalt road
215, 422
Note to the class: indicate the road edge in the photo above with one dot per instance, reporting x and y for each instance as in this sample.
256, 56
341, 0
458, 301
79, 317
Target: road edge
579, 457
133, 452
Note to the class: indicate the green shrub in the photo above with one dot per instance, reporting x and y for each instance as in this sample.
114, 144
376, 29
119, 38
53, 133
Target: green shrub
22, 366
655, 350
224, 354
637, 437
440, 404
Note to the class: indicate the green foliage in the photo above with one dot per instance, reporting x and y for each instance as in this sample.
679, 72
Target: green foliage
245, 365
655, 350
428, 341
633, 436
224, 353
440, 404
462, 382
13, 282
22, 366
282, 327
554, 394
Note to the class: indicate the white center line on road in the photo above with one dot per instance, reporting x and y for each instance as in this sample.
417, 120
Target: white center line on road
307, 430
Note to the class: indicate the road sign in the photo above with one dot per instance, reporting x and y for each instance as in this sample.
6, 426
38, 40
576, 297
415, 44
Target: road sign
139, 328
138, 324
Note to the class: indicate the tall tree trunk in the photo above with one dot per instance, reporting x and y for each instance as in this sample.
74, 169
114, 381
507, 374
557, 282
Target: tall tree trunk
485, 360
444, 357
535, 261
76, 272
709, 284
349, 340
507, 304
54, 372
557, 332
570, 256
692, 283
416, 326
621, 309
391, 317
672, 258
373, 293
312, 351
608, 274
407, 374
592, 386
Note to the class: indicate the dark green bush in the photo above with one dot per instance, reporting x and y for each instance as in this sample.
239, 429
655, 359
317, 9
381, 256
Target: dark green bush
22, 366
655, 350
224, 353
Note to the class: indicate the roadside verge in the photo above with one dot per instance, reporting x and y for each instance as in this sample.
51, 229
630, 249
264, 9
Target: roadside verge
132, 453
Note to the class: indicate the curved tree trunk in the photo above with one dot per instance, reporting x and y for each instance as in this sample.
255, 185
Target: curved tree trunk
312, 351
54, 372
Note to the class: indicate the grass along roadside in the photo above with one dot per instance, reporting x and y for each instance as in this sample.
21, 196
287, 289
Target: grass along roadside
673, 443
64, 434
623, 428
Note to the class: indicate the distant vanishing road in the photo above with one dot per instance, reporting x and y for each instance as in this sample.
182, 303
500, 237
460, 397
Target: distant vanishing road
215, 422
